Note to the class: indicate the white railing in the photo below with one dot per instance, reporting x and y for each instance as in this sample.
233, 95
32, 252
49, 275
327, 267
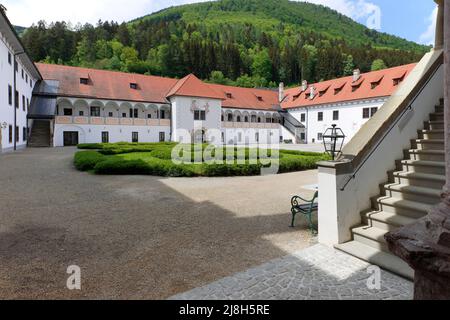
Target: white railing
112, 121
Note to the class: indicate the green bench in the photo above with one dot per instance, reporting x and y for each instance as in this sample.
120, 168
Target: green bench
305, 207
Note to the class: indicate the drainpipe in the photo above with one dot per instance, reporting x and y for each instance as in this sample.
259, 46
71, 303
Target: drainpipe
307, 126
16, 97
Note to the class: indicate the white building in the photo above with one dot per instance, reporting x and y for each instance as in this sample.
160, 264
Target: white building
347, 102
18, 75
79, 105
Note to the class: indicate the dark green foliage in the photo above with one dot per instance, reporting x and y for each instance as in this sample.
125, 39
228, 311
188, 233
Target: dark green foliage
91, 146
87, 160
156, 159
249, 43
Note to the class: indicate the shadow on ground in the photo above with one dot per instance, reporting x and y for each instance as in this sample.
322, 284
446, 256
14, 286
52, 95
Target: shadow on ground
133, 237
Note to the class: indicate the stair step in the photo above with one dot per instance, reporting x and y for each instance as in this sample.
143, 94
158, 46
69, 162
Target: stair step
386, 261
437, 116
430, 144
435, 125
422, 166
431, 134
387, 221
371, 236
413, 193
427, 155
427, 180
409, 208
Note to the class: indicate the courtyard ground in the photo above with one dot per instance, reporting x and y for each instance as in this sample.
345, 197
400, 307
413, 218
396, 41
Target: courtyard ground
136, 237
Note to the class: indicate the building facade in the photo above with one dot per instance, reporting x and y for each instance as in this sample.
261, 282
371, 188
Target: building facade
52, 105
18, 75
347, 102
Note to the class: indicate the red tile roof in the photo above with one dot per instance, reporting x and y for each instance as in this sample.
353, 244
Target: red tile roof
191, 86
112, 85
247, 98
109, 85
327, 92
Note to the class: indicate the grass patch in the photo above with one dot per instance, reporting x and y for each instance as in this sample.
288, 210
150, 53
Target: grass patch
156, 159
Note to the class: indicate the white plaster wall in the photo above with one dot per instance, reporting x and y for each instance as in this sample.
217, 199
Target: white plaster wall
183, 117
24, 88
93, 133
350, 118
248, 136
286, 134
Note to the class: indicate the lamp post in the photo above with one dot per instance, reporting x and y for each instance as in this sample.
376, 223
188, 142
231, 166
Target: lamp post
333, 140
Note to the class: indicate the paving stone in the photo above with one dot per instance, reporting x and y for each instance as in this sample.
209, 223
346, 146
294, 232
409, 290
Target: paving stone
316, 273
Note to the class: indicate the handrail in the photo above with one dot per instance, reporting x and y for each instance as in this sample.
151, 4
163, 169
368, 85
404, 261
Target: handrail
400, 117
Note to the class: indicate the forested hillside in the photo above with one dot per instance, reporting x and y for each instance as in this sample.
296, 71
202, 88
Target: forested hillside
243, 42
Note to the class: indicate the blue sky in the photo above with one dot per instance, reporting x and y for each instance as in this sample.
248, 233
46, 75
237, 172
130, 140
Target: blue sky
410, 19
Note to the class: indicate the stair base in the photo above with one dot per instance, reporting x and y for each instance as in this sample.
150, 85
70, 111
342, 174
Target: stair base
382, 259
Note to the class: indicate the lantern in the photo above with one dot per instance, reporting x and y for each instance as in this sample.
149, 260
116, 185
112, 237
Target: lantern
333, 140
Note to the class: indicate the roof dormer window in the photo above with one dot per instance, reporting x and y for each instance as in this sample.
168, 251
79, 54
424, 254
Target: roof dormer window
229, 95
323, 91
399, 77
84, 81
338, 88
133, 86
259, 98
356, 85
376, 81
375, 84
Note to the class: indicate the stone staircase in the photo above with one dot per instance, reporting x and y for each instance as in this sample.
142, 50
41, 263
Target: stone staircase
40, 134
413, 189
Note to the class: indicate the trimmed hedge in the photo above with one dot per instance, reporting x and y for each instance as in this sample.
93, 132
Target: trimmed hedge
156, 159
87, 160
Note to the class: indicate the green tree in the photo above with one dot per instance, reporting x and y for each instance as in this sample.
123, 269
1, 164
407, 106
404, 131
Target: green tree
245, 81
378, 64
219, 78
349, 65
262, 65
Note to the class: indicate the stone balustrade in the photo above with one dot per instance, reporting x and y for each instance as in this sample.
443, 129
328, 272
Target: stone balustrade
112, 121
249, 125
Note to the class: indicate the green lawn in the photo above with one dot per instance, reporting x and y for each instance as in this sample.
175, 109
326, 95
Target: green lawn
209, 161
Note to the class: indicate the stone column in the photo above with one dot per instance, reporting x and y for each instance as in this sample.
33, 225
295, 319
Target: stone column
446, 24
425, 245
439, 40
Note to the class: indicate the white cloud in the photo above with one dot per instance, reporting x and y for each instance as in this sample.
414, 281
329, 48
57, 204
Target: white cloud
355, 9
428, 36
26, 12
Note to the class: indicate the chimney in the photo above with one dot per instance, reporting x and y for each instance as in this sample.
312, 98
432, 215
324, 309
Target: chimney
304, 85
281, 92
356, 75
312, 93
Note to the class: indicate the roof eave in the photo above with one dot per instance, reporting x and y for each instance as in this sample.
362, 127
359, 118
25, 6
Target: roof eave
18, 46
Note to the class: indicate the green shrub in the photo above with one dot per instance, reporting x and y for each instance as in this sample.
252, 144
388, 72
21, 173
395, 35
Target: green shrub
119, 166
91, 146
162, 153
156, 167
87, 160
226, 170
156, 159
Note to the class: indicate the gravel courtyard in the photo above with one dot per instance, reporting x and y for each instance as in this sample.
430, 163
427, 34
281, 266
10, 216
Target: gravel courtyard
135, 237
